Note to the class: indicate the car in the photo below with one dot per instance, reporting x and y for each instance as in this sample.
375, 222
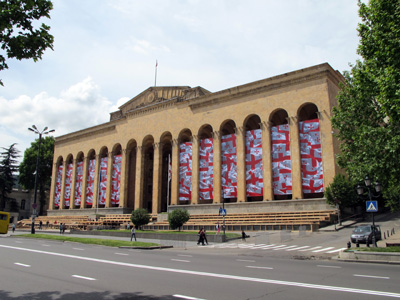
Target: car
363, 234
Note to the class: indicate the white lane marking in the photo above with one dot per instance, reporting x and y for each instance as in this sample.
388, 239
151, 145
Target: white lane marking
336, 250
260, 245
298, 248
117, 253
314, 248
268, 246
277, 247
334, 267
80, 249
22, 265
185, 255
181, 260
257, 267
84, 277
246, 260
19, 242
287, 247
214, 275
371, 276
186, 297
45, 245
324, 249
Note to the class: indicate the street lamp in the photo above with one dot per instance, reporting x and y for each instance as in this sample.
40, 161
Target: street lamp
40, 133
360, 192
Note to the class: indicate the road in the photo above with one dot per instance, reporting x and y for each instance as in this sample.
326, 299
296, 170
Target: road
41, 269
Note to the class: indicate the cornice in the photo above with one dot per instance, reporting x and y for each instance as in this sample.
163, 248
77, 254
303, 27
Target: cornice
88, 132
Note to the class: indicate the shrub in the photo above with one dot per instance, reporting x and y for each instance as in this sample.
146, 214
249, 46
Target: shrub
140, 217
178, 217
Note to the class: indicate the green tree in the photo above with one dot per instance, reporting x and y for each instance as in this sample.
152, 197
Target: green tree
8, 166
342, 191
367, 117
18, 36
27, 168
178, 217
140, 217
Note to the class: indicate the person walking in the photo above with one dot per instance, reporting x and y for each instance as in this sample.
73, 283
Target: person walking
13, 227
218, 227
61, 228
40, 224
133, 233
201, 235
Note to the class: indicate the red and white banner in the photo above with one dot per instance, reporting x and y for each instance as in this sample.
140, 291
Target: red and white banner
228, 166
185, 171
103, 180
254, 165
57, 193
206, 180
116, 179
281, 164
68, 184
90, 182
78, 183
311, 158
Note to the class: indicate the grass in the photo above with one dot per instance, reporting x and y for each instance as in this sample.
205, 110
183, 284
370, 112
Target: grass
377, 249
104, 242
229, 235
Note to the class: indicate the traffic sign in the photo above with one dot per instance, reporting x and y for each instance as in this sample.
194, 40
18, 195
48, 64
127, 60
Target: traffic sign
372, 206
223, 212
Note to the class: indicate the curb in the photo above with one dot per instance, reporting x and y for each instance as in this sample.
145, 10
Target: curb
145, 248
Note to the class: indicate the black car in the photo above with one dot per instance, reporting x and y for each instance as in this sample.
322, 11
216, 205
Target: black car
363, 233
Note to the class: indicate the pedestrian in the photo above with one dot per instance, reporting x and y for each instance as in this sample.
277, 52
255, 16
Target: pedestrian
61, 228
64, 227
218, 227
13, 227
243, 236
220, 211
201, 236
128, 226
40, 224
47, 224
133, 231
205, 237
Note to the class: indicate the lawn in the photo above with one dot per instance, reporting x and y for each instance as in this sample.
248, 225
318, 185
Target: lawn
229, 235
377, 249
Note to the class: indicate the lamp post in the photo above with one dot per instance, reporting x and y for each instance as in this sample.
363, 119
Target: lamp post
40, 133
378, 189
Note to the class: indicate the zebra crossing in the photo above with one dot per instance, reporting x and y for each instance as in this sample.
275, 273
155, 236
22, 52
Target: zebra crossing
277, 247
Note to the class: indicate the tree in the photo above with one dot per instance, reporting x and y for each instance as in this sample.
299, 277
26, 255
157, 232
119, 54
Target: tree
342, 192
8, 166
27, 168
18, 36
178, 217
140, 217
367, 117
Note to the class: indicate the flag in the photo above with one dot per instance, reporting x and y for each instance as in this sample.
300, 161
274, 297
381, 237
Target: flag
169, 168
156, 63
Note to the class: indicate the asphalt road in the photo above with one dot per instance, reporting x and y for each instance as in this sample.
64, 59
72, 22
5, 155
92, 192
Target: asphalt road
41, 269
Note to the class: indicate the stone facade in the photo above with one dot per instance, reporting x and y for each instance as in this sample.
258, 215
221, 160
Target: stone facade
145, 135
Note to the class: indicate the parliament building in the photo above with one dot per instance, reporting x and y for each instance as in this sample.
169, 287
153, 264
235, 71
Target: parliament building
263, 146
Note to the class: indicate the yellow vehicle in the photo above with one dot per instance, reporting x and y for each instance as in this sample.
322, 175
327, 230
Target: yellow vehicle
4, 221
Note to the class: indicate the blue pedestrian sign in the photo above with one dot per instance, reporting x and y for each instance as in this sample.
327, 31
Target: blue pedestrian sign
223, 212
372, 206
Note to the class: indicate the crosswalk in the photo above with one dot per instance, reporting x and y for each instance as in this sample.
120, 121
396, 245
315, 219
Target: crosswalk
278, 247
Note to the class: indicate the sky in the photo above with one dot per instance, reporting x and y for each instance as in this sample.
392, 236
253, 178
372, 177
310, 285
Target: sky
105, 52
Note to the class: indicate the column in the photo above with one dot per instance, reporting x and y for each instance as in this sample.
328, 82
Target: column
72, 201
175, 172
123, 189
109, 178
267, 162
241, 165
84, 181
96, 182
297, 191
156, 178
217, 166
139, 178
53, 186
195, 169
62, 195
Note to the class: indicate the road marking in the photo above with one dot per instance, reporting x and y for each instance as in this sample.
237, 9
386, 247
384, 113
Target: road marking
324, 249
117, 253
334, 267
287, 247
187, 297
19, 242
83, 277
336, 250
45, 245
298, 248
370, 276
246, 260
181, 260
314, 248
22, 265
80, 249
257, 267
185, 255
213, 275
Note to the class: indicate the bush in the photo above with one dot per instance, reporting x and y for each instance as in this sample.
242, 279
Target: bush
342, 191
178, 217
140, 217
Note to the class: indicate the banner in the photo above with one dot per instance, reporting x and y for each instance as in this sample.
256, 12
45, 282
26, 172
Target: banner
103, 180
78, 183
116, 179
206, 180
311, 158
185, 171
228, 166
254, 165
57, 194
281, 164
90, 182
68, 184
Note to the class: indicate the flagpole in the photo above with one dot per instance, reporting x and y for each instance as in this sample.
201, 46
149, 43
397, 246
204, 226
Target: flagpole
169, 180
155, 77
